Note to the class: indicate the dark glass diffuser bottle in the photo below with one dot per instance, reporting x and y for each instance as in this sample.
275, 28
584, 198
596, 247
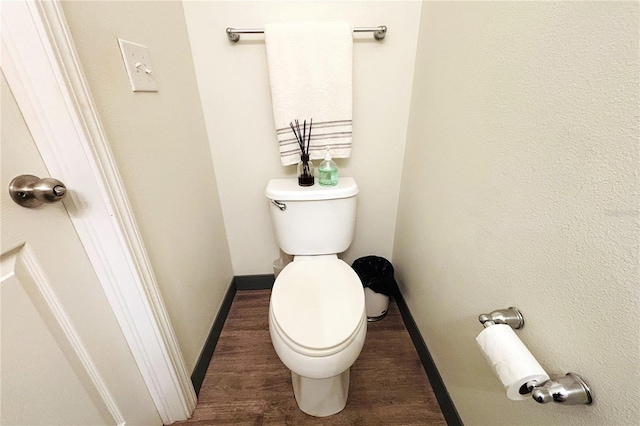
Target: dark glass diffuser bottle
305, 171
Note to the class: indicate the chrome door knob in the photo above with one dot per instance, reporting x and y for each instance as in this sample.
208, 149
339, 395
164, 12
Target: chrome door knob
31, 191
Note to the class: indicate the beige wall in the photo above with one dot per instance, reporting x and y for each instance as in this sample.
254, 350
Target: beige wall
236, 100
520, 188
161, 148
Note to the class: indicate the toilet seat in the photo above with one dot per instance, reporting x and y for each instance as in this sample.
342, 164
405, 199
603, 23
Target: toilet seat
317, 305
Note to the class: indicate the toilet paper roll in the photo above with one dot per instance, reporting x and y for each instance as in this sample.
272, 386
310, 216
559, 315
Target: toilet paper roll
510, 360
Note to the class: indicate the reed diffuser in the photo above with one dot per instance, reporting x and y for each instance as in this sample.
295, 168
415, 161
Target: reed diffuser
305, 166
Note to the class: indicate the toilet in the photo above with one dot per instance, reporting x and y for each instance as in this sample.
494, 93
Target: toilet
317, 317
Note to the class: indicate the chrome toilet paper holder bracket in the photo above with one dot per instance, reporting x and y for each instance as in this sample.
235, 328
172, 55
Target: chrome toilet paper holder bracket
570, 389
511, 316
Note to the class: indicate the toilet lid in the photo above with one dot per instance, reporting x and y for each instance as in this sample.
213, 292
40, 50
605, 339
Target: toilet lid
318, 303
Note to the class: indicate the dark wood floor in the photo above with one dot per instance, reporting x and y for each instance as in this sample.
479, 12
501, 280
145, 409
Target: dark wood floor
246, 383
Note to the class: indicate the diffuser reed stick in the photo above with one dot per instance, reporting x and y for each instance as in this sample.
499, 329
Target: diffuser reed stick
305, 167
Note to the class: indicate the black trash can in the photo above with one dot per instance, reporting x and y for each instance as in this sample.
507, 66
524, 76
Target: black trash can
376, 274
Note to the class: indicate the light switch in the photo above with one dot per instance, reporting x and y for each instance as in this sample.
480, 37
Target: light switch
137, 61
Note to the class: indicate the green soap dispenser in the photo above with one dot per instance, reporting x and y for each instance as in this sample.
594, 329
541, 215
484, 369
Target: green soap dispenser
328, 171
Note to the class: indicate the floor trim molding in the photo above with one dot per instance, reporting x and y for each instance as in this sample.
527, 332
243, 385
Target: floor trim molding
254, 282
265, 282
442, 395
197, 377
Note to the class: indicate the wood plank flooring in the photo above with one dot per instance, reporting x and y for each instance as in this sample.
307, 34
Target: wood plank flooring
247, 384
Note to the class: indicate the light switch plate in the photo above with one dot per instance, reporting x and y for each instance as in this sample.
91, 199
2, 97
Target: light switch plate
137, 61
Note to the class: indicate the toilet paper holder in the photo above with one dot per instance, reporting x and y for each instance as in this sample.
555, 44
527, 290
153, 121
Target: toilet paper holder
568, 390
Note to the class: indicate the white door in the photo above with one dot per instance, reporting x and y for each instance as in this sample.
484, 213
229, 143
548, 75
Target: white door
64, 359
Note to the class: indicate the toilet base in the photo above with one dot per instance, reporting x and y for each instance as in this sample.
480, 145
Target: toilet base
321, 397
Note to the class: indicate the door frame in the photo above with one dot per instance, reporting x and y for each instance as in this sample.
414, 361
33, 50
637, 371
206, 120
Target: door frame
44, 72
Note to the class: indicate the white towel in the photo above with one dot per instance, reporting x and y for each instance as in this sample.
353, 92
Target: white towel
311, 70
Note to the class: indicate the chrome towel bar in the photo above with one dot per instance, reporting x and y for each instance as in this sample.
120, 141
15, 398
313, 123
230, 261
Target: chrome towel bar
378, 32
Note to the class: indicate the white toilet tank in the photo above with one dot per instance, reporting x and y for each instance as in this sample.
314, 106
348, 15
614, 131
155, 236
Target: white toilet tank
313, 220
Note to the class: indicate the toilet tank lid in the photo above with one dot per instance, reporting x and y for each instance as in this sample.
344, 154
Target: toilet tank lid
289, 190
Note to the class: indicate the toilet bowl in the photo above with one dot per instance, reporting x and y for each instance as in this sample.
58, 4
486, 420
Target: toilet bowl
318, 324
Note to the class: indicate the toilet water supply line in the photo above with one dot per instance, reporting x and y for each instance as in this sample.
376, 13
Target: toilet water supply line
568, 390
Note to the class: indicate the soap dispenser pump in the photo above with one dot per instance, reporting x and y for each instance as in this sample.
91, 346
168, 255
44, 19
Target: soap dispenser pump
328, 171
